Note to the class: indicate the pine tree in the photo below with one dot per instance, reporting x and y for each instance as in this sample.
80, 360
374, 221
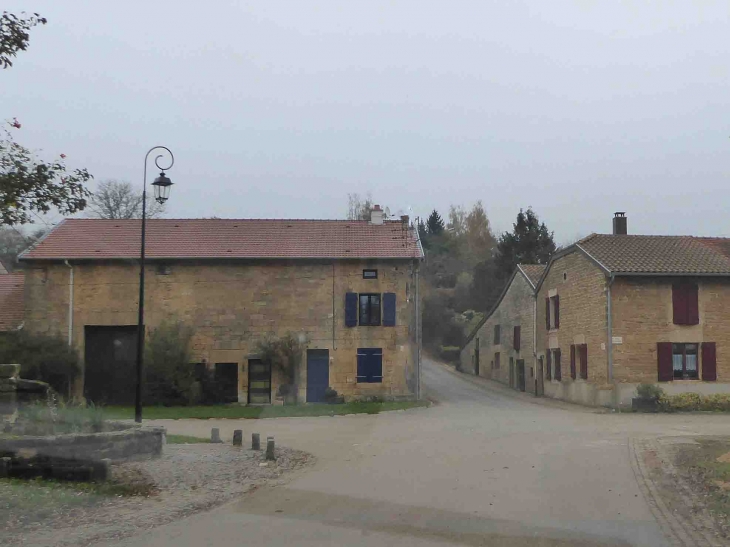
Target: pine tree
530, 242
435, 224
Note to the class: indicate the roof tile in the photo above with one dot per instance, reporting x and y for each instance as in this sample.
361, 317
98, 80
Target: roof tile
226, 238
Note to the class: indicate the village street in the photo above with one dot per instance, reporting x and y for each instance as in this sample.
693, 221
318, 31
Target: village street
482, 467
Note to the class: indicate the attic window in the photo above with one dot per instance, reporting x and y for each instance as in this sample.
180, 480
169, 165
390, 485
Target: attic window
163, 269
370, 274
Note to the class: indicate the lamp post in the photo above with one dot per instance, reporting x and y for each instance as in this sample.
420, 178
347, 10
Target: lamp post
162, 192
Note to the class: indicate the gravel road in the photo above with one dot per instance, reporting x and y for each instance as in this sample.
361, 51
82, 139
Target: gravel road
188, 478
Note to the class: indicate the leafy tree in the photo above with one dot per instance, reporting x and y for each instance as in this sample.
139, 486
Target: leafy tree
27, 184
169, 376
479, 238
487, 284
14, 36
457, 220
12, 243
42, 357
285, 355
118, 200
530, 242
435, 224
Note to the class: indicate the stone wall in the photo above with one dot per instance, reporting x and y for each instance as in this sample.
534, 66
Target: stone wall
642, 316
129, 444
581, 286
231, 305
515, 308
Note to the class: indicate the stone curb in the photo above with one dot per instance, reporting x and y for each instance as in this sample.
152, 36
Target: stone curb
678, 529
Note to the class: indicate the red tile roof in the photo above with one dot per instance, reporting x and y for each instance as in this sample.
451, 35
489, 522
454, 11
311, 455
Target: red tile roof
661, 255
226, 238
11, 301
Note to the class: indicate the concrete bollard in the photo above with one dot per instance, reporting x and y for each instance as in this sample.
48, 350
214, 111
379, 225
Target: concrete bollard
270, 450
237, 437
255, 442
4, 467
215, 435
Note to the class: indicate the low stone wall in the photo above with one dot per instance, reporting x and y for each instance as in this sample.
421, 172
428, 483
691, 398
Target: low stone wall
128, 444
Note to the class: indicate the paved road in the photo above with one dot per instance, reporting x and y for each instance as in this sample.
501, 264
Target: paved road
485, 466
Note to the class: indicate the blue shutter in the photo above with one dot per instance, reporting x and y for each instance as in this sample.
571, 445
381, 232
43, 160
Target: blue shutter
389, 309
350, 309
369, 365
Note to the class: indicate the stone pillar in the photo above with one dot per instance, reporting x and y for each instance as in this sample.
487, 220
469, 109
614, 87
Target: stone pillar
270, 449
238, 437
255, 442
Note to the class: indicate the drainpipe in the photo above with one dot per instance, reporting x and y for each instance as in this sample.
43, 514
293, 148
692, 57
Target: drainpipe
418, 338
534, 339
70, 302
609, 329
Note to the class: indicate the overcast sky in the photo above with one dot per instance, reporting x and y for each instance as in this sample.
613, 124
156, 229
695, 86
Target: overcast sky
279, 109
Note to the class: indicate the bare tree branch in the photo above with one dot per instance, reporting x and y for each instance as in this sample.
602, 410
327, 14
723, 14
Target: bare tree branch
115, 199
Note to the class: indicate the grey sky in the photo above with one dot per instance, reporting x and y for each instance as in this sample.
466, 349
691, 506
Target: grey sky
279, 109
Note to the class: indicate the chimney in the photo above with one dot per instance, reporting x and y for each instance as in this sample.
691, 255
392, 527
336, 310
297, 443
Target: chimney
619, 223
405, 219
376, 215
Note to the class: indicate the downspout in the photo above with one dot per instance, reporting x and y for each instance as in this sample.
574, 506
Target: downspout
334, 346
534, 338
609, 329
70, 302
418, 337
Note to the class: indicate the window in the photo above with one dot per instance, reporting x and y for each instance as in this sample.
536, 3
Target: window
370, 274
516, 338
497, 334
496, 360
548, 364
684, 362
163, 269
572, 361
552, 312
685, 309
370, 309
583, 358
369, 365
556, 361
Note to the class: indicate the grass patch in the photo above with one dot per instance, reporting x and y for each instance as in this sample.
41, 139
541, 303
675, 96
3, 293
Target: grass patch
710, 476
185, 439
34, 500
254, 412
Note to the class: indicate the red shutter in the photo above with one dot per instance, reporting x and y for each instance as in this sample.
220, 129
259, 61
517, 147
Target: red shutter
558, 371
709, 362
557, 311
665, 370
572, 361
583, 352
547, 312
691, 296
549, 360
517, 340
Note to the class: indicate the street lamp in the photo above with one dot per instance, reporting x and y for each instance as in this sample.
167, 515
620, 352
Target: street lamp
162, 193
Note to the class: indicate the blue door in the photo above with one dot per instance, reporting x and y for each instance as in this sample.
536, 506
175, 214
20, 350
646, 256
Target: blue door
318, 374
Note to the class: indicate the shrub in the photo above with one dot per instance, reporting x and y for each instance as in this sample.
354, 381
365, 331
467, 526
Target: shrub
41, 357
719, 401
649, 392
451, 354
682, 402
331, 396
169, 377
285, 356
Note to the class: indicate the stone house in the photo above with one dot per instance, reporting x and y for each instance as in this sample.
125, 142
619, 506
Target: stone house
11, 300
618, 310
502, 345
347, 288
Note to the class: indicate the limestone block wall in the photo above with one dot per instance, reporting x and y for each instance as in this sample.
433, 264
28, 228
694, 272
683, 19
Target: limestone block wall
231, 305
581, 286
515, 309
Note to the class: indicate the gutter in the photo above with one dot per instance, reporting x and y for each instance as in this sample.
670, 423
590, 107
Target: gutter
70, 302
609, 328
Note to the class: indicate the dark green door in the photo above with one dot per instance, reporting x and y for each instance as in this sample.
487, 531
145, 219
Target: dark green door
259, 382
521, 374
109, 364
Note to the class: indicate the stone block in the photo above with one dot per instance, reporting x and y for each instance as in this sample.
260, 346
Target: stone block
9, 370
